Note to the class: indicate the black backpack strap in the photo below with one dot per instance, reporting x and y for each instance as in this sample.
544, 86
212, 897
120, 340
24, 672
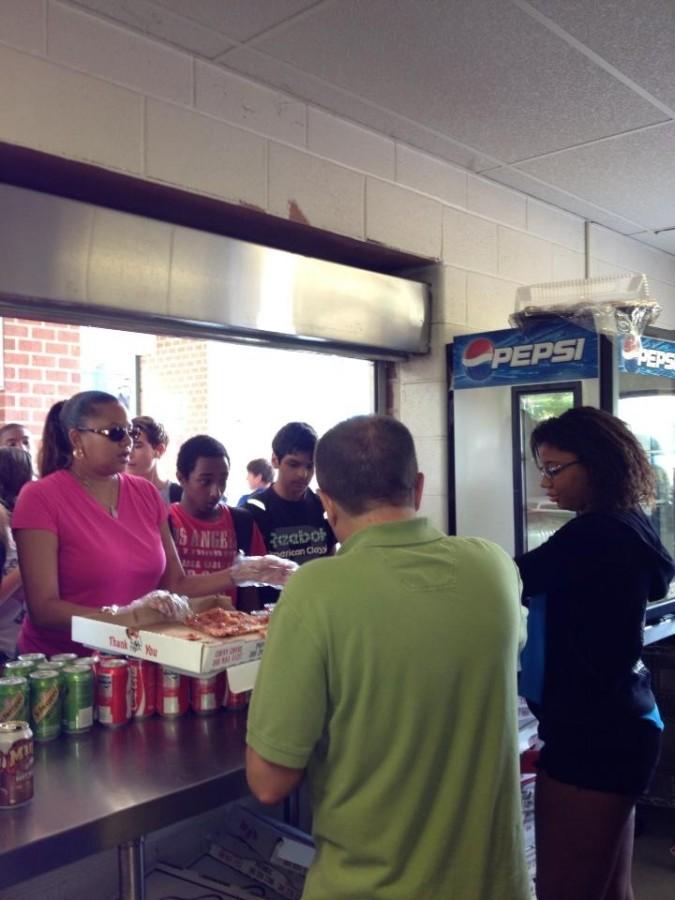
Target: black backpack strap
243, 528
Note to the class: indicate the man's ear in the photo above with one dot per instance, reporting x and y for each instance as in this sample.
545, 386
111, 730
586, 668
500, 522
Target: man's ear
180, 478
329, 506
275, 461
419, 490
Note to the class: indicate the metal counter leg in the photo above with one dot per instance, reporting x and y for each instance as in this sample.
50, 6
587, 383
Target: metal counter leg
131, 870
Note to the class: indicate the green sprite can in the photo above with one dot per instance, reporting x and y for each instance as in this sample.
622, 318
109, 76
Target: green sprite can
86, 661
67, 658
45, 702
53, 666
20, 667
35, 658
78, 699
13, 699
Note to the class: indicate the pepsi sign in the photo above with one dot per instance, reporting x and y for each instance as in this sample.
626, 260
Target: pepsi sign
559, 353
647, 356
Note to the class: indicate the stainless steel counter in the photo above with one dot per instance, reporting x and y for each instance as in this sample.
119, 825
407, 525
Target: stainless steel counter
110, 787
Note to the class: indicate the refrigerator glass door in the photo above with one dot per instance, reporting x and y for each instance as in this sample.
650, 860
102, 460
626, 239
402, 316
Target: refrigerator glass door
537, 518
647, 405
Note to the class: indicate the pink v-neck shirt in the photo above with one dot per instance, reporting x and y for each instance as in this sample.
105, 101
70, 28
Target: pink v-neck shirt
101, 559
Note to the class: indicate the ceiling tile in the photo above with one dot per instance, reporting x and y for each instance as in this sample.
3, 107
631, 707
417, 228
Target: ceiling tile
632, 175
146, 17
486, 74
239, 19
635, 36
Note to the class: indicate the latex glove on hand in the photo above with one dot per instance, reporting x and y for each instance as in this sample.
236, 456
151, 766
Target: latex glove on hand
171, 606
255, 571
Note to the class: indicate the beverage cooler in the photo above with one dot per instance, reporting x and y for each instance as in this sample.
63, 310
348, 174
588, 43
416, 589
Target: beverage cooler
502, 383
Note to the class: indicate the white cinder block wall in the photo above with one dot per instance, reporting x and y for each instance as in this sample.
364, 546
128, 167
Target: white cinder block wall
79, 87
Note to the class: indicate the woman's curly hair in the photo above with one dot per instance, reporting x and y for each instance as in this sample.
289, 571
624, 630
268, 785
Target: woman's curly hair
619, 472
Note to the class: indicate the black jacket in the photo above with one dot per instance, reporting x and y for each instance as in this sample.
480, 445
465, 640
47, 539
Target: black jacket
595, 574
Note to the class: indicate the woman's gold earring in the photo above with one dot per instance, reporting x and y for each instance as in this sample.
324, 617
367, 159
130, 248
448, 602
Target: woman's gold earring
77, 453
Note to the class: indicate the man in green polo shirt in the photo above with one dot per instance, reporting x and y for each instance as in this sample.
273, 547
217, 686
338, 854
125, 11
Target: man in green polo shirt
389, 677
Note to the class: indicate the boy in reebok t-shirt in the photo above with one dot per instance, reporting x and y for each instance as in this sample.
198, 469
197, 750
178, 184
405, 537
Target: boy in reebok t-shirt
289, 515
208, 533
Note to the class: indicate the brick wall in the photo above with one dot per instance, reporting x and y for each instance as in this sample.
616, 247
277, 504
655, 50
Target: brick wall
41, 366
174, 391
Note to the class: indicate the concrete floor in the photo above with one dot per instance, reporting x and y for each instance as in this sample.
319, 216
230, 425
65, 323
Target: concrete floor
653, 863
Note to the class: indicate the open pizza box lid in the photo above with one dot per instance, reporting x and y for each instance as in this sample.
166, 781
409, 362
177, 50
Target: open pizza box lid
146, 635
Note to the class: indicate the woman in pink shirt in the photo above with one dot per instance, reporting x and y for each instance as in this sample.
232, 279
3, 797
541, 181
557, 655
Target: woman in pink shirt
90, 535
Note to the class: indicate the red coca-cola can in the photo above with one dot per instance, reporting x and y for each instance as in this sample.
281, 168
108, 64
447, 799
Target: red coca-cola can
143, 676
206, 694
173, 692
113, 692
232, 700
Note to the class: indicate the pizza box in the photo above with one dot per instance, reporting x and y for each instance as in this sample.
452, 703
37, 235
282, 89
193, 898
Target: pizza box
146, 635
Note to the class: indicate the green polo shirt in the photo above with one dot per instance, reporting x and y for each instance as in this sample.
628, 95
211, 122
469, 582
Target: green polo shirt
390, 673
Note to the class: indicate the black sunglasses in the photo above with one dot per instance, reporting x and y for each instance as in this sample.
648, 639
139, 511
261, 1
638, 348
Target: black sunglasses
116, 433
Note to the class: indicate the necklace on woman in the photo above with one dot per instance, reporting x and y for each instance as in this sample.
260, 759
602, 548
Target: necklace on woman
110, 508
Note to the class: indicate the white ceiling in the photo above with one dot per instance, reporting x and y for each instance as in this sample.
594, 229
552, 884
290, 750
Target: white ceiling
571, 101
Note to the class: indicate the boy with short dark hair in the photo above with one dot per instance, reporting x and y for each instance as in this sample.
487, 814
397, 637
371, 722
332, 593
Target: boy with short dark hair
260, 475
290, 515
208, 533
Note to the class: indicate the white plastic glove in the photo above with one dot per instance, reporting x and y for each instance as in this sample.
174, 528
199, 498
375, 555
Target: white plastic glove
254, 571
171, 606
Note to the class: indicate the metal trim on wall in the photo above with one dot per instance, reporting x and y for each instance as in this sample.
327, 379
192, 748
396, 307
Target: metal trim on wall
64, 259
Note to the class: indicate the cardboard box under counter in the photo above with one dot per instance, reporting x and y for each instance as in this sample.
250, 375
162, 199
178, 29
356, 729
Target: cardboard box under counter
146, 635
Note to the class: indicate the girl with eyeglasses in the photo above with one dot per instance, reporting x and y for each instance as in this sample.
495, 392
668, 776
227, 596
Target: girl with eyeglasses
587, 589
90, 535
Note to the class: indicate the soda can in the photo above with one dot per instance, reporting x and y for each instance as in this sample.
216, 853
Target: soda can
14, 703
67, 658
86, 661
206, 694
113, 693
173, 693
78, 699
19, 667
143, 676
16, 764
232, 700
53, 665
45, 704
35, 658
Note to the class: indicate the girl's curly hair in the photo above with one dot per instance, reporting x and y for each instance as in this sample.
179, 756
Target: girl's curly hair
619, 471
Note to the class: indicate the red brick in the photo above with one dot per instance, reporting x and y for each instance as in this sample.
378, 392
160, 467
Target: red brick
17, 359
17, 387
74, 349
10, 344
30, 346
58, 349
31, 402
43, 388
75, 377
48, 362
56, 376
44, 334
13, 330
66, 363
10, 371
69, 336
38, 416
31, 374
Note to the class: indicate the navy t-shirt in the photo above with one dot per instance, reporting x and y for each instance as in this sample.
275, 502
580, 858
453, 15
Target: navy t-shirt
293, 529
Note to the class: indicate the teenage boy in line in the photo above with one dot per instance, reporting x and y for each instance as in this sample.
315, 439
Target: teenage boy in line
206, 531
290, 515
260, 475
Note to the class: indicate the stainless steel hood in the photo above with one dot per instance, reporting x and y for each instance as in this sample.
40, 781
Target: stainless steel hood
63, 258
